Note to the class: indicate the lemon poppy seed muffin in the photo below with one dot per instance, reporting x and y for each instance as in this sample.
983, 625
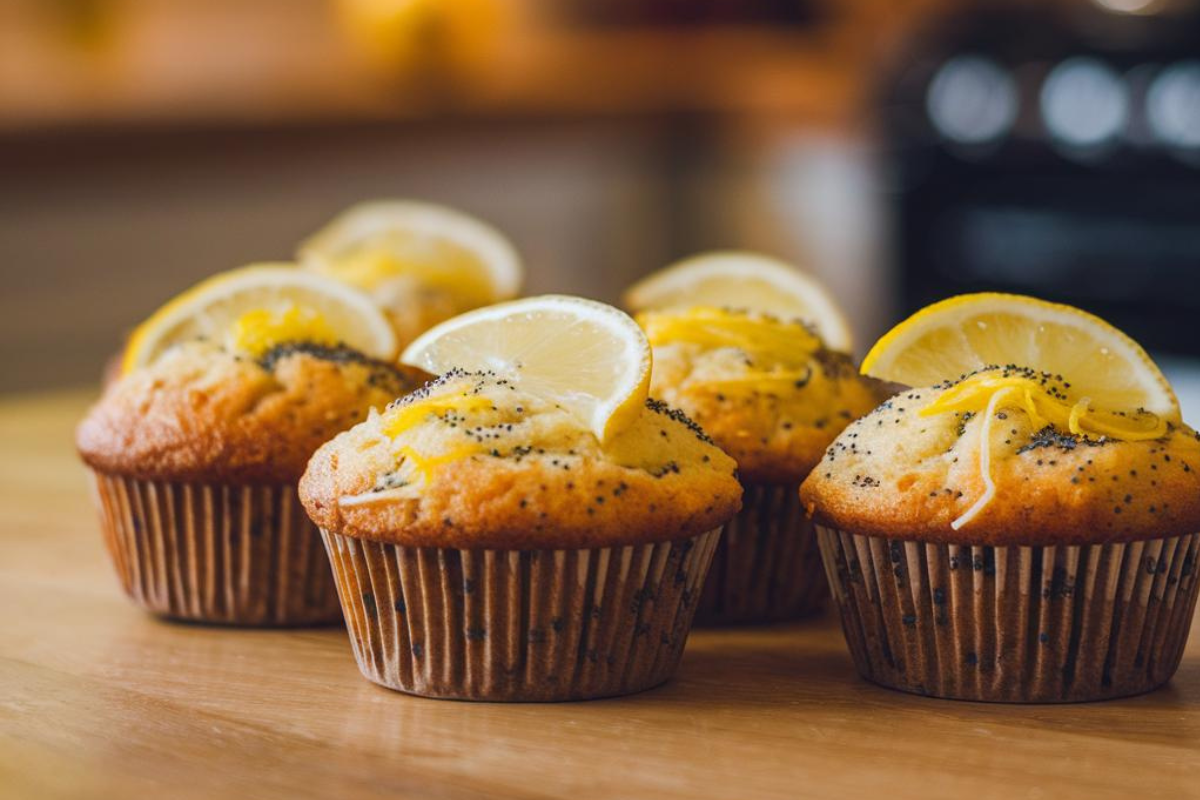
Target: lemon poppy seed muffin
530, 526
902, 468
471, 462
488, 546
197, 446
1015, 533
774, 405
773, 396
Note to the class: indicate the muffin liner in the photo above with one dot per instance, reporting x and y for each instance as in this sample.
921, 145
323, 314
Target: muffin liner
1014, 624
237, 555
519, 625
767, 567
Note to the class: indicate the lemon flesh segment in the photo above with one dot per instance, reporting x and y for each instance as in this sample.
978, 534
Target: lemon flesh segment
964, 334
748, 281
374, 243
588, 357
253, 308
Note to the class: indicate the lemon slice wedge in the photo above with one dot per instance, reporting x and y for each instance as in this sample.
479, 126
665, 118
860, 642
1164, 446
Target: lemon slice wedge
744, 280
377, 242
588, 357
255, 306
964, 334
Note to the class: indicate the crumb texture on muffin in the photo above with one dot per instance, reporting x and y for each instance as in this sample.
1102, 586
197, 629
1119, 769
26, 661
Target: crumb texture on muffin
905, 474
202, 413
473, 461
767, 390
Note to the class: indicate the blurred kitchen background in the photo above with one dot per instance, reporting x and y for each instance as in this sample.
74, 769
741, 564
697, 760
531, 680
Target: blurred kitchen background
903, 150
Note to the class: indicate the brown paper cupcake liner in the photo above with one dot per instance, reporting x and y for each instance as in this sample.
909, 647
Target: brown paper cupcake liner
767, 567
237, 555
1014, 624
536, 625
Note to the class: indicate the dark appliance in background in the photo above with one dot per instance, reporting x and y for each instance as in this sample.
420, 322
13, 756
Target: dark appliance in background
692, 13
1054, 149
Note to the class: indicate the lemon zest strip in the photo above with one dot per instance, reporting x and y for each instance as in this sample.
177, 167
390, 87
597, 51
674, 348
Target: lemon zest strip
785, 348
1043, 410
422, 464
1078, 418
985, 462
426, 464
403, 418
788, 343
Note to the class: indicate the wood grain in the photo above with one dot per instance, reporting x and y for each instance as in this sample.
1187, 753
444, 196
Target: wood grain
99, 700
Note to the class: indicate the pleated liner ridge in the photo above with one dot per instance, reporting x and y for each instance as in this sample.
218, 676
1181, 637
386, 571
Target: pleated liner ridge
235, 555
533, 625
767, 567
1014, 624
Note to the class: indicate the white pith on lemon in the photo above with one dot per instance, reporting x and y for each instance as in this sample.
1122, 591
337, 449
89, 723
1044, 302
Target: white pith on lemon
373, 244
588, 357
252, 308
744, 280
1062, 366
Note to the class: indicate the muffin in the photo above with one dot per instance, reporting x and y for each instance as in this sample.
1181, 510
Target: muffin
772, 395
422, 263
490, 544
195, 455
1016, 534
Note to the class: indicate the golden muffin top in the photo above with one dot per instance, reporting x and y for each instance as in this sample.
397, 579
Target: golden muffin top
201, 412
767, 390
473, 461
999, 457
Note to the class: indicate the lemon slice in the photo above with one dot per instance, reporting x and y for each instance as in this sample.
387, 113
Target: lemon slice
258, 304
590, 358
374, 243
743, 280
1097, 362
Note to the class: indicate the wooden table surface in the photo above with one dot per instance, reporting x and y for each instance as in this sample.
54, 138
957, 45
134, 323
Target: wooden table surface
99, 700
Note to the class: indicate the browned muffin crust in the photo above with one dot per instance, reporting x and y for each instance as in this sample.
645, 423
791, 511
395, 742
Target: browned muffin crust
901, 475
661, 479
777, 435
202, 414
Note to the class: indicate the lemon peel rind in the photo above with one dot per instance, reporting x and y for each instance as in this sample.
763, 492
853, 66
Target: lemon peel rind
887, 349
496, 253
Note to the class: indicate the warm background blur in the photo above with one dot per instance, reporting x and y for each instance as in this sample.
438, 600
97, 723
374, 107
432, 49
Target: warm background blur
904, 150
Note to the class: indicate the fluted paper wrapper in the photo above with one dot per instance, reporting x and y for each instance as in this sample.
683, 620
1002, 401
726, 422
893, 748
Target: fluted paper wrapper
767, 567
535, 625
236, 555
1014, 624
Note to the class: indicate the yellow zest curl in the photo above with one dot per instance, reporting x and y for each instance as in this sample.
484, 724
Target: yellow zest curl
1079, 417
780, 350
986, 390
425, 464
405, 417
763, 336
